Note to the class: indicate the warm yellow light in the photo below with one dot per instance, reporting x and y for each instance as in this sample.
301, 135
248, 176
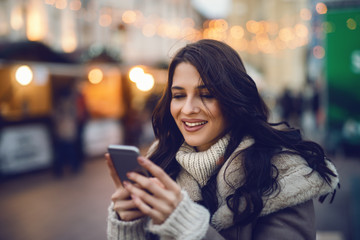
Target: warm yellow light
271, 27
24, 75
95, 76
105, 20
136, 73
61, 4
206, 24
69, 43
351, 24
221, 24
301, 30
16, 19
75, 5
36, 24
149, 30
146, 82
68, 37
286, 34
50, 2
212, 23
321, 8
173, 31
129, 17
253, 26
237, 32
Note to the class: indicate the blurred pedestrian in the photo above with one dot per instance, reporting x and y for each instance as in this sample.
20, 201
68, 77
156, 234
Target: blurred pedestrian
70, 115
219, 169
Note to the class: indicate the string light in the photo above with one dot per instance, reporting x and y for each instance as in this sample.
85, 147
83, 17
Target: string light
269, 37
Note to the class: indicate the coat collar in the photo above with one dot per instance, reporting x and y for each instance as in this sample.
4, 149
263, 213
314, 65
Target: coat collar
298, 183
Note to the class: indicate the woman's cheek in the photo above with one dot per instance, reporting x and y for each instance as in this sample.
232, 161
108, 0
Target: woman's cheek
174, 109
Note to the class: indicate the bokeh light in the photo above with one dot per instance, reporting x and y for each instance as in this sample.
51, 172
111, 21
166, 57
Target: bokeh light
129, 17
145, 83
321, 8
351, 24
24, 75
75, 5
136, 73
105, 20
95, 76
237, 32
301, 30
318, 52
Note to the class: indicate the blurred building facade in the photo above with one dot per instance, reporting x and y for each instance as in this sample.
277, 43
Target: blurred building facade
134, 30
91, 45
51, 51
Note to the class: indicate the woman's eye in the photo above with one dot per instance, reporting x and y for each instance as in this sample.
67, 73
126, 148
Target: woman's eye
206, 95
177, 96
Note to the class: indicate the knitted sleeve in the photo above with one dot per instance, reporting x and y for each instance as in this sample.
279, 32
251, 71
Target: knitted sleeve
117, 229
188, 221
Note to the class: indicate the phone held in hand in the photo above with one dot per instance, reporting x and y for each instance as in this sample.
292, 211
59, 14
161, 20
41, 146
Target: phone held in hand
124, 159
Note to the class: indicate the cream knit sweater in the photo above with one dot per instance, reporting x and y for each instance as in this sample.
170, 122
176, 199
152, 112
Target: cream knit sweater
191, 221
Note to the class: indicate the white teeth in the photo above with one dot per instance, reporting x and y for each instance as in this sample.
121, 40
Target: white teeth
194, 124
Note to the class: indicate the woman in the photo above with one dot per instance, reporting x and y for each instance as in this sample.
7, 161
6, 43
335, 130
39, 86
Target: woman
220, 169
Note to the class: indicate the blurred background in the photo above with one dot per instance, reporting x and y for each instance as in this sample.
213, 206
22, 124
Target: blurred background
78, 75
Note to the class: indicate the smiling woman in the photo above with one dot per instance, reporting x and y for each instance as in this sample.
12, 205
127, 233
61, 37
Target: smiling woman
219, 169
196, 112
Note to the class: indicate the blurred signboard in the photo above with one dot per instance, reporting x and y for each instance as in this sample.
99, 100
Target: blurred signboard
342, 28
99, 134
24, 148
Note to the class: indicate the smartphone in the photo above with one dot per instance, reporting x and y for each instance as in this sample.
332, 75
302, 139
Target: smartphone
124, 159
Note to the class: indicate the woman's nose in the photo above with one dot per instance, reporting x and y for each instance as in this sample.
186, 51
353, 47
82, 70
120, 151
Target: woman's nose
191, 105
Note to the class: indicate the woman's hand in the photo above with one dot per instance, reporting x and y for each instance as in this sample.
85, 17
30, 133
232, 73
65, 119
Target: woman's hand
123, 204
155, 197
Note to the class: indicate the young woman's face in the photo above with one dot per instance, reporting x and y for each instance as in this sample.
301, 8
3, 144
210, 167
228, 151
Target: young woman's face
196, 112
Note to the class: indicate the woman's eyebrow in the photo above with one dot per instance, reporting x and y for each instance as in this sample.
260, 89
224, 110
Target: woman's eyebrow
177, 88
181, 88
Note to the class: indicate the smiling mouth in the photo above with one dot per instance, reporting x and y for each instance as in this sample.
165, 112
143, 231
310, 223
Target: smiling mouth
194, 124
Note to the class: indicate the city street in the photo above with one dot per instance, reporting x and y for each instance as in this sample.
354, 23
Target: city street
42, 207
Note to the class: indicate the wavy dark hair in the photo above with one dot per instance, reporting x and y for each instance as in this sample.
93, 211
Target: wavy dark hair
223, 73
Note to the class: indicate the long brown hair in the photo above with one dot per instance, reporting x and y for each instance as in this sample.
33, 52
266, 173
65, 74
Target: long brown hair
223, 73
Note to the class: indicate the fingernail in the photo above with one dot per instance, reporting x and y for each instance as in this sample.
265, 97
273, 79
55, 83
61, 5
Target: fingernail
126, 183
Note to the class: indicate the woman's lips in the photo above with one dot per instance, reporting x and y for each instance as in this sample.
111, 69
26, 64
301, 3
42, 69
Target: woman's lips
193, 126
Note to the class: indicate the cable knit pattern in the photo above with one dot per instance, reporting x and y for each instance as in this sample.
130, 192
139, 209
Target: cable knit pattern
298, 184
116, 229
189, 221
201, 165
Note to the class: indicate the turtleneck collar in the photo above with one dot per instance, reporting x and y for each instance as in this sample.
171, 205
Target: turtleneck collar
201, 165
